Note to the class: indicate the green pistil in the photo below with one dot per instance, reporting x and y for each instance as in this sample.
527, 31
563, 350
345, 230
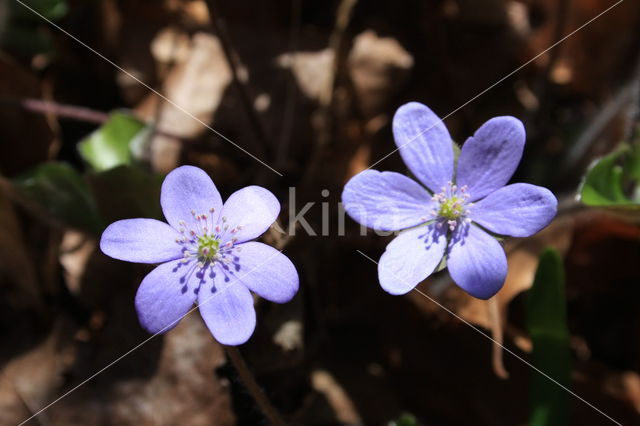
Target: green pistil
451, 208
207, 247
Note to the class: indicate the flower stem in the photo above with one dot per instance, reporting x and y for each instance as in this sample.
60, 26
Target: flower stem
252, 386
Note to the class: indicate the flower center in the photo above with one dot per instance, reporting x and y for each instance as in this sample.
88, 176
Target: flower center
208, 247
452, 206
206, 242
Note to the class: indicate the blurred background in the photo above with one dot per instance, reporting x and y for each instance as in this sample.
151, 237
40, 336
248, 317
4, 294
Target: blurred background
310, 88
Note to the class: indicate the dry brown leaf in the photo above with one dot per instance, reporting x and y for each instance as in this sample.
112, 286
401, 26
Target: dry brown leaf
523, 262
346, 412
16, 265
312, 70
196, 86
171, 45
185, 389
31, 381
75, 252
378, 66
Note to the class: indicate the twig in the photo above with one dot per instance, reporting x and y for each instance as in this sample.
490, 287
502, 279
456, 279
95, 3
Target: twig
536, 120
343, 16
542, 83
289, 108
250, 382
323, 115
498, 339
562, 13
229, 52
608, 112
633, 118
59, 110
72, 112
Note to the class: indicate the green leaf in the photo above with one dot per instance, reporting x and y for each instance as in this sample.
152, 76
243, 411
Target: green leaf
405, 419
27, 40
110, 145
60, 191
546, 319
614, 180
50, 9
125, 192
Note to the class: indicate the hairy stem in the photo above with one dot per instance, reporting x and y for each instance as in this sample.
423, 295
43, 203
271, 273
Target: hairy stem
59, 110
252, 386
243, 92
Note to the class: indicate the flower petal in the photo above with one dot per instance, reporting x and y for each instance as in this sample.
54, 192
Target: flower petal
476, 261
425, 144
517, 210
253, 208
228, 311
489, 158
141, 240
410, 258
266, 271
386, 201
165, 296
188, 189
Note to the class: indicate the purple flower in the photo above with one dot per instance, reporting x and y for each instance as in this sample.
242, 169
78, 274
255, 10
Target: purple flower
206, 256
453, 216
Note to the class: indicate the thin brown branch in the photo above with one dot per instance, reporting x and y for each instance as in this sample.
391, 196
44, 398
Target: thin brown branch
59, 110
219, 28
497, 334
71, 112
289, 107
252, 386
324, 116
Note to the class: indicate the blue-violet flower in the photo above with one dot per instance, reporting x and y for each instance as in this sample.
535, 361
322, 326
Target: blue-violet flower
451, 217
206, 256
